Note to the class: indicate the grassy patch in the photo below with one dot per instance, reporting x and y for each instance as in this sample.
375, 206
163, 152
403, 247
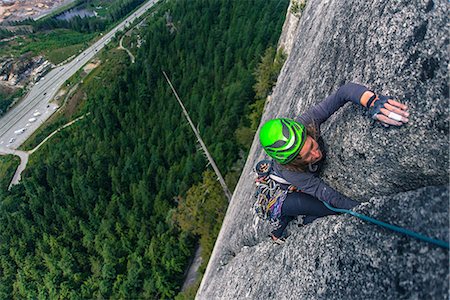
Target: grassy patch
114, 60
8, 165
61, 39
126, 42
56, 45
11, 48
61, 54
7, 97
130, 41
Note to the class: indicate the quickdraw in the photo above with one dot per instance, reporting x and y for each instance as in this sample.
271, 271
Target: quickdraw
269, 200
269, 193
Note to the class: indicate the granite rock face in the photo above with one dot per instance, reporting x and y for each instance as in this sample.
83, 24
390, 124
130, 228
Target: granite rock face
396, 48
341, 257
287, 37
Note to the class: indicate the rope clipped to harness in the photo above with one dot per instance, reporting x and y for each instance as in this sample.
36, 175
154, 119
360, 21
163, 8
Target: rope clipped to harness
408, 232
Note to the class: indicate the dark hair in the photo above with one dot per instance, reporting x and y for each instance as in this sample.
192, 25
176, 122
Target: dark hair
298, 164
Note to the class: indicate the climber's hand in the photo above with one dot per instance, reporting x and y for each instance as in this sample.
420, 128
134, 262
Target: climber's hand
389, 112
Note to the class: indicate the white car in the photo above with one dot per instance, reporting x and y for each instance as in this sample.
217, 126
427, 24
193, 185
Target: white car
11, 140
36, 114
31, 120
20, 131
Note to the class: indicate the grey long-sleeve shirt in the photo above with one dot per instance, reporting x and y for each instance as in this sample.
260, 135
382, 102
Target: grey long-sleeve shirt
309, 182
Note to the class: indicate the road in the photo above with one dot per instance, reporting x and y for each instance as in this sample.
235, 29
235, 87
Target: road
23, 155
17, 125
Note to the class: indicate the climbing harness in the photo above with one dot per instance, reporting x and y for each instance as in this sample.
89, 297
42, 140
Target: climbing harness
269, 200
411, 233
269, 193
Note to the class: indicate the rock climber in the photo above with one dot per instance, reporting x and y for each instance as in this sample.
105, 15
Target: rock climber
295, 146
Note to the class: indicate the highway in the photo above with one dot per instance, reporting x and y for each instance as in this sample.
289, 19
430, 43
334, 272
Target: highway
18, 124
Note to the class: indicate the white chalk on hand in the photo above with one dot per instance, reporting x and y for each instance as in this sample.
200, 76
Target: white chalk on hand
394, 116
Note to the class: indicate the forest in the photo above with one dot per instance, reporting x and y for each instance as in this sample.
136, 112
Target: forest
115, 205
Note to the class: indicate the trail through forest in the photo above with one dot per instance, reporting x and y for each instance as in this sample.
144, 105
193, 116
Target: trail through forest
24, 155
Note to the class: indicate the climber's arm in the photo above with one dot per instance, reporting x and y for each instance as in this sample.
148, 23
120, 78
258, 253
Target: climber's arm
320, 112
382, 108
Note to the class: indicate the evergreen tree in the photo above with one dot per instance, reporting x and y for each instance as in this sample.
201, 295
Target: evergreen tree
95, 214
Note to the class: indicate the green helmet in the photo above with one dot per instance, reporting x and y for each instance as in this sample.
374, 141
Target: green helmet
282, 139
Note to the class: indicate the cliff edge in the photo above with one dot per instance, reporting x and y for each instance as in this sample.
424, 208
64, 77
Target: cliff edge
400, 175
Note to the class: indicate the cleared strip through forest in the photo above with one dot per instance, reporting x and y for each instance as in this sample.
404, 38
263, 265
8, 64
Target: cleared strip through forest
199, 138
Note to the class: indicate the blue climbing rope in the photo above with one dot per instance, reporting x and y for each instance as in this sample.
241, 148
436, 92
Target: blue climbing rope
411, 233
